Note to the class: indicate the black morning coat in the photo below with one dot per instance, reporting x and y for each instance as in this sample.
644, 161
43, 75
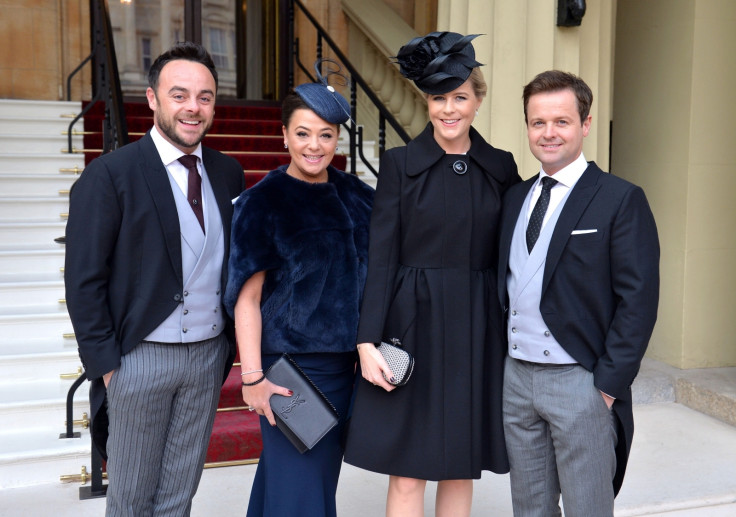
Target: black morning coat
600, 290
123, 270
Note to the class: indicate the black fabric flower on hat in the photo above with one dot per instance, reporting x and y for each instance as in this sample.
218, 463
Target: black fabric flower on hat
438, 62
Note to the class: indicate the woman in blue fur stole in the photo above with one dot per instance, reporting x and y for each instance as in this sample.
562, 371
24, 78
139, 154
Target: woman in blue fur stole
299, 248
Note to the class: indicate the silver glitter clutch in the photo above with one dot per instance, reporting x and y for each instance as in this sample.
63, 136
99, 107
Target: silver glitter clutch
399, 360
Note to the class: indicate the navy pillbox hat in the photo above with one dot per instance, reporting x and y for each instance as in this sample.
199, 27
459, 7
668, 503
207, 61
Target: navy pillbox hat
325, 101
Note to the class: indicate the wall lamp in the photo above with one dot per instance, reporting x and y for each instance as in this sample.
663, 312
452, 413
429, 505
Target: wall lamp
570, 12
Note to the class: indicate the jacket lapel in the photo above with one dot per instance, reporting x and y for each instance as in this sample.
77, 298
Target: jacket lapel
578, 200
513, 202
156, 177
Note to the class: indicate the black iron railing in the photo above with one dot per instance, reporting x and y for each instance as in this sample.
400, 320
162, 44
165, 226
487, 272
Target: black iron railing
355, 81
105, 80
105, 88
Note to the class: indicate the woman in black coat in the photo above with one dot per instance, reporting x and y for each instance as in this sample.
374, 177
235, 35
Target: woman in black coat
431, 283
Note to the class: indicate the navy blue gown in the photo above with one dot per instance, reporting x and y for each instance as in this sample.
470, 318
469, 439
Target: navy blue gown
311, 239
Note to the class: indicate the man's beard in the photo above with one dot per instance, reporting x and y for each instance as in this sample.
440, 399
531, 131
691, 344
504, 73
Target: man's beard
170, 132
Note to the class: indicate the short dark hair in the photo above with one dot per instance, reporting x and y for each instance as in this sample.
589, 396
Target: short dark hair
292, 102
182, 50
554, 81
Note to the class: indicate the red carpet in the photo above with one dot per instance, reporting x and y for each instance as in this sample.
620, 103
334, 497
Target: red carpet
252, 135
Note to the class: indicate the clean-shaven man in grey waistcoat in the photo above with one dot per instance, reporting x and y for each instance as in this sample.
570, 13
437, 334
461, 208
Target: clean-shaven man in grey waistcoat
579, 283
147, 248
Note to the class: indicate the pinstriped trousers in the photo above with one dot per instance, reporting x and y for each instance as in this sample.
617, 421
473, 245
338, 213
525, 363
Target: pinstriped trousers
561, 439
161, 406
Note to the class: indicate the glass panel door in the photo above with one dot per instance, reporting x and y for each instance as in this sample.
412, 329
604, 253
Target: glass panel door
244, 38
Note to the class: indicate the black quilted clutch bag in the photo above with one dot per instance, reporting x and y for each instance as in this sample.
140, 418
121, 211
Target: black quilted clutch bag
307, 415
399, 360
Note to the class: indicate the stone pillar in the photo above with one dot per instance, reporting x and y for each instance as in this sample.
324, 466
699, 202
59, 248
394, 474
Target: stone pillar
520, 39
128, 44
672, 135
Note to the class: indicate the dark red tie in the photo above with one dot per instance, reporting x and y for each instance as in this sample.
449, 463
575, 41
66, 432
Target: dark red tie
194, 191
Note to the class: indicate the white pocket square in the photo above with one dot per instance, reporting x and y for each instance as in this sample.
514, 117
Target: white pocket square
580, 232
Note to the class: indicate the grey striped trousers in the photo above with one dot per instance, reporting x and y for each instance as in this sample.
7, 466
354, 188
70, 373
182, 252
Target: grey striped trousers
161, 406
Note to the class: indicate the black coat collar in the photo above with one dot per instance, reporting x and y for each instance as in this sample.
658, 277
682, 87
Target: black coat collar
424, 152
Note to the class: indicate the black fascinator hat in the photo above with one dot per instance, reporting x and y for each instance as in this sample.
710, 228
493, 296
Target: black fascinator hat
438, 62
323, 99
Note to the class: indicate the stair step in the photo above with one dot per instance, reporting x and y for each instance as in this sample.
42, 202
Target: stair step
28, 236
30, 346
44, 144
38, 209
42, 163
46, 413
19, 263
51, 125
50, 325
29, 295
14, 108
32, 185
32, 364
40, 392
236, 435
37, 455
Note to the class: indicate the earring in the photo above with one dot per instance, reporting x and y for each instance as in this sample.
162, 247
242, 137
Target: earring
337, 148
286, 146
476, 113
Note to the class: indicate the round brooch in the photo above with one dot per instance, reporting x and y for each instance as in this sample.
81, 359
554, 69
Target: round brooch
460, 167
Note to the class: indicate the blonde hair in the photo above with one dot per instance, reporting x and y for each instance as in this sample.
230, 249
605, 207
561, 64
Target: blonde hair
480, 88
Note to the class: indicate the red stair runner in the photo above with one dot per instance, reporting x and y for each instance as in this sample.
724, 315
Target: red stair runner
252, 135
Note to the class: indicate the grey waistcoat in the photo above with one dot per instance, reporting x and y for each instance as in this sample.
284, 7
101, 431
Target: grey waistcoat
529, 337
200, 315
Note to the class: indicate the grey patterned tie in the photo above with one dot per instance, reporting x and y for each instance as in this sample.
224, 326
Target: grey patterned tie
537, 217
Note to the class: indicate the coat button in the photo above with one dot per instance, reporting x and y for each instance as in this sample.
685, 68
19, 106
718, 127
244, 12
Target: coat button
184, 330
177, 297
546, 333
218, 291
186, 311
513, 330
186, 293
214, 327
513, 346
514, 313
546, 352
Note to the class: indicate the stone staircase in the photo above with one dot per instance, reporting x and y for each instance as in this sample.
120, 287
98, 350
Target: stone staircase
38, 354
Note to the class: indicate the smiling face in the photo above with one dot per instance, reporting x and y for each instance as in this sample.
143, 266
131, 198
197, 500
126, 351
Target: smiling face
555, 130
312, 142
451, 115
184, 103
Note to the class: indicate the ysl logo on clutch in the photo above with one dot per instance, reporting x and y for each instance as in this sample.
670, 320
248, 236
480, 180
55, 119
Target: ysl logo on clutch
293, 404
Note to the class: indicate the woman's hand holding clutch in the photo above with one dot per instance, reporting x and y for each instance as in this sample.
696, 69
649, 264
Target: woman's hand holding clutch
374, 366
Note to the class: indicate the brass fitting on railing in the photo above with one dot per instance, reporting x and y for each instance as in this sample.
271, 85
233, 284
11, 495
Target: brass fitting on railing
82, 478
75, 169
74, 375
83, 422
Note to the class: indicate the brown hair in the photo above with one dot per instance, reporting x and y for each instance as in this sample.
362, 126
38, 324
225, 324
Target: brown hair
182, 50
554, 81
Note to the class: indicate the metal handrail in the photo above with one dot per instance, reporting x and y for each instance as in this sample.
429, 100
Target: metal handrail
106, 88
355, 80
106, 81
